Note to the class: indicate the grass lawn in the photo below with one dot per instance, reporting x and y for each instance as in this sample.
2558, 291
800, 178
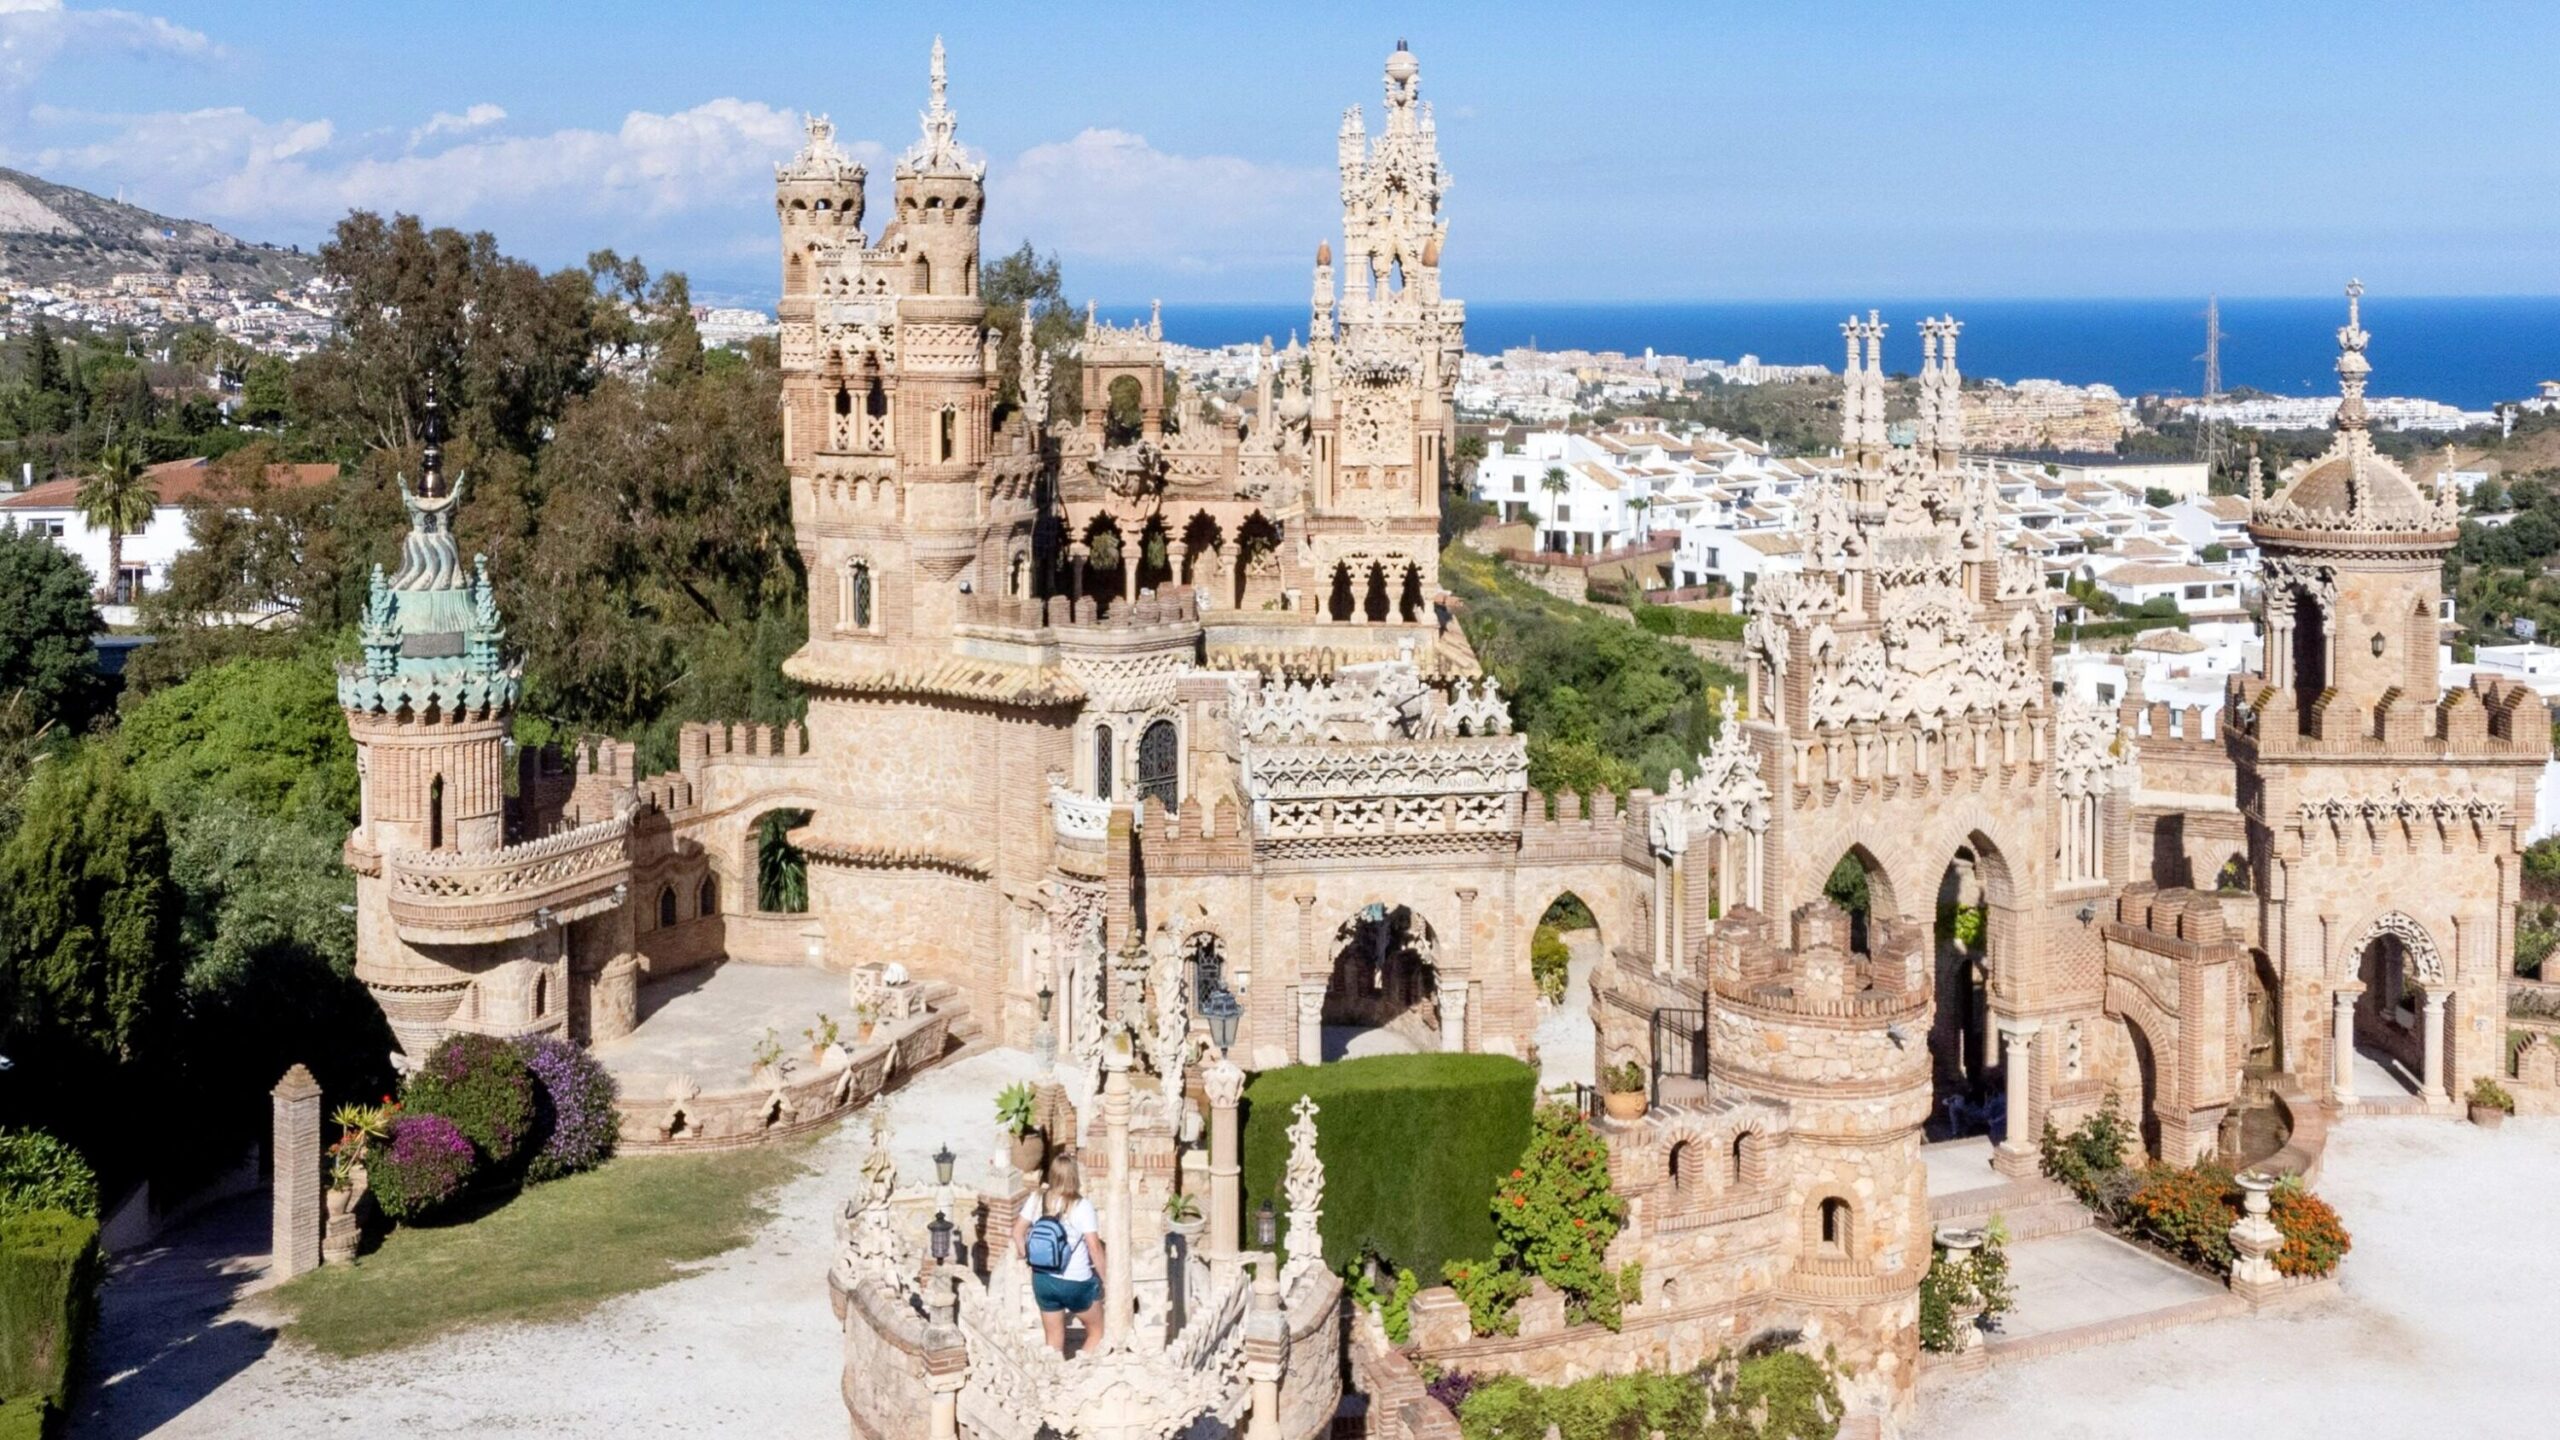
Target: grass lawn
555, 1251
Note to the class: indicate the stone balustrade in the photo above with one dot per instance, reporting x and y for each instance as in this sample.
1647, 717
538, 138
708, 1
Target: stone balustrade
683, 1116
461, 897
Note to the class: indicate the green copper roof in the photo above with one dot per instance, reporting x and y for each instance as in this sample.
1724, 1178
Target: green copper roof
431, 631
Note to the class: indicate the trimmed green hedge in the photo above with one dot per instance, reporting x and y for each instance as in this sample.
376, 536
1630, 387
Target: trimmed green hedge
1412, 1146
1695, 624
48, 1292
22, 1418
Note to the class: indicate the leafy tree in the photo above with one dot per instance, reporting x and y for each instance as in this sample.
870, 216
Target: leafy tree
2214, 554
782, 870
1029, 283
118, 498
262, 732
46, 621
2158, 498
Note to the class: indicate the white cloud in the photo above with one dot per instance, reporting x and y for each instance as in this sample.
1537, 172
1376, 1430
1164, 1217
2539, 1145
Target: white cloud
33, 33
445, 122
1110, 193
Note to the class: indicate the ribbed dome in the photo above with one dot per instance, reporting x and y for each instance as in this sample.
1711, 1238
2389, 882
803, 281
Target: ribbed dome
2350, 487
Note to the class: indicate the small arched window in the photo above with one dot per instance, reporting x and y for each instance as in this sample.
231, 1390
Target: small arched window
707, 899
950, 434
1835, 1221
857, 594
844, 401
435, 813
1103, 746
1160, 764
924, 275
666, 906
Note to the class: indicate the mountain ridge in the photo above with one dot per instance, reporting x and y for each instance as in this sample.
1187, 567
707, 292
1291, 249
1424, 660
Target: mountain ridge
56, 234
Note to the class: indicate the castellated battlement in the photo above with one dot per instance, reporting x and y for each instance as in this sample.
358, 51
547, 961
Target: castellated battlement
2490, 718
699, 744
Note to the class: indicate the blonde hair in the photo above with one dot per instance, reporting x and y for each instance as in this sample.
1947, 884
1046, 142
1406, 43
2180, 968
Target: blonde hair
1063, 1187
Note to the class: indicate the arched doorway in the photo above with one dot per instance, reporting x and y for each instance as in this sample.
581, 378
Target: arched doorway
2390, 1013
1564, 946
1962, 1054
782, 869
1382, 997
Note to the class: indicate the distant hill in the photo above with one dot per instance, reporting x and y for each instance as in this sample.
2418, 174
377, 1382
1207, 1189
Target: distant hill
53, 234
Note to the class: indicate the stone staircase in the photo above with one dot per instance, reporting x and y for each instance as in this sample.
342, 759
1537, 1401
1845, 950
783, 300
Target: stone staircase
2031, 1208
968, 1033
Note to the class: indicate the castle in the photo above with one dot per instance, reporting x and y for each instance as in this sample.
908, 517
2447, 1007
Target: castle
1116, 720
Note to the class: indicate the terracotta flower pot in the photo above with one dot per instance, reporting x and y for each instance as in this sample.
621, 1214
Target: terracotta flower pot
1625, 1104
2488, 1117
1028, 1148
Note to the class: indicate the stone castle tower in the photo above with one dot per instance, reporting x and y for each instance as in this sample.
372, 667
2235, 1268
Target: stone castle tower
1384, 356
429, 707
2385, 814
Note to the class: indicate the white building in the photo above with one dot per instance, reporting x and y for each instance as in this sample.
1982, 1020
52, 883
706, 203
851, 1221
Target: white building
53, 509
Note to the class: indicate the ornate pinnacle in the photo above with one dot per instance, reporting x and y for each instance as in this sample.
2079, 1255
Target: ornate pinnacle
431, 464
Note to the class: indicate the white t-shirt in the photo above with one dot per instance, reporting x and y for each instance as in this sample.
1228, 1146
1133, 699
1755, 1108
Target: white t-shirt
1080, 1222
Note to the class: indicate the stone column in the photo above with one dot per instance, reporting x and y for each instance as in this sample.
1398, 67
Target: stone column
296, 1148
2342, 1044
1175, 552
1117, 1307
2433, 1082
1230, 574
1129, 566
946, 1357
2017, 1154
1266, 1349
1311, 1024
1225, 1083
1453, 1015
1079, 555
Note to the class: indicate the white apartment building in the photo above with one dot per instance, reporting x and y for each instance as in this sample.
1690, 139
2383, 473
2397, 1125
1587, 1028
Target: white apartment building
53, 509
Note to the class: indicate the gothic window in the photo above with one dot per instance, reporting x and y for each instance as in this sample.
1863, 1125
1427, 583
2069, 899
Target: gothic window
924, 275
1102, 757
1018, 575
666, 906
855, 604
1160, 764
875, 403
950, 434
844, 401
707, 899
435, 813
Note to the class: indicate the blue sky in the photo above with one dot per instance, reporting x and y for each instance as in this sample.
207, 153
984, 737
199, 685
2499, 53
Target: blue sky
1636, 152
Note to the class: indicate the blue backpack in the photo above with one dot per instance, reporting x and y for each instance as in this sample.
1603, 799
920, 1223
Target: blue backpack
1047, 1246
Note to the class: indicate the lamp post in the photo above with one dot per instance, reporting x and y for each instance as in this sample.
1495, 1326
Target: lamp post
1045, 1044
943, 1160
1222, 1012
1266, 1227
938, 1234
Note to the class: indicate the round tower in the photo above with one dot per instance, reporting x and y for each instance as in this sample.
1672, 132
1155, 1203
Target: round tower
429, 708
1840, 1039
817, 197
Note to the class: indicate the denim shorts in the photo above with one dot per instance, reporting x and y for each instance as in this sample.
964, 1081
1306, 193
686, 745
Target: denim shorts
1058, 1295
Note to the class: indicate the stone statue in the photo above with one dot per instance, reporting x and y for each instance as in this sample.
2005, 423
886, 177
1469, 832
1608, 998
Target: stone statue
1304, 1186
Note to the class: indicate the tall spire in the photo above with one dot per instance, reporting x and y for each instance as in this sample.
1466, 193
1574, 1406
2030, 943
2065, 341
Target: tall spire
431, 464
2352, 366
939, 151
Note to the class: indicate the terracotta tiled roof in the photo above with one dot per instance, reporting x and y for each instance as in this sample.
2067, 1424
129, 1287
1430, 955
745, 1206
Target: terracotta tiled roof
179, 481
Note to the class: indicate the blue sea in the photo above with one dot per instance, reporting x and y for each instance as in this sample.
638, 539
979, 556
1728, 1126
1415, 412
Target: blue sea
2467, 351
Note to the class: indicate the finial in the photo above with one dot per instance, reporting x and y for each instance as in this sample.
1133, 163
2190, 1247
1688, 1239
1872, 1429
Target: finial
2257, 476
1155, 320
431, 464
2355, 293
941, 80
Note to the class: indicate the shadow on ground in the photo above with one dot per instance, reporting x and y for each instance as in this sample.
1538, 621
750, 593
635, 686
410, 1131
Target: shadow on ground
162, 1342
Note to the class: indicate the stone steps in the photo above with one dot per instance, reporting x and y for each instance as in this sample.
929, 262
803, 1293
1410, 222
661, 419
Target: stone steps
2030, 1208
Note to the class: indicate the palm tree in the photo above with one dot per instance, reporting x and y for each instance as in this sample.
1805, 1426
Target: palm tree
1640, 505
118, 499
1555, 482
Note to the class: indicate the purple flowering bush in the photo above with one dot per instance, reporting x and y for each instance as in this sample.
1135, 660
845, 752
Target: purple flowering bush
421, 1168
480, 1083
574, 1123
1451, 1388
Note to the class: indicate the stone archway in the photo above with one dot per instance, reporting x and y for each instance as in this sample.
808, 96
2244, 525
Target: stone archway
1382, 995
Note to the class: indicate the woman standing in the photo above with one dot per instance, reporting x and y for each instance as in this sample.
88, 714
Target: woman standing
1057, 1234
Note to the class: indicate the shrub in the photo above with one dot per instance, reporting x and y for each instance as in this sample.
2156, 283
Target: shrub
480, 1083
1549, 962
2314, 1241
574, 1122
2188, 1212
1600, 1408
1412, 1145
48, 1293
2089, 1161
1773, 1394
22, 1418
39, 1172
1554, 1215
2490, 1095
1451, 1388
1624, 1078
424, 1167
1980, 1279
1490, 1291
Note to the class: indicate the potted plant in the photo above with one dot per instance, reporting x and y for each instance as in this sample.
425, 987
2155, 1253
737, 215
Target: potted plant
2491, 1104
360, 1129
1622, 1091
767, 1060
867, 1015
1182, 1215
821, 1035
1017, 1111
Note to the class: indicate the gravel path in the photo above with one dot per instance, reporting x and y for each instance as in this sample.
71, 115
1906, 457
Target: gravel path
1565, 1041
2450, 1298
745, 1347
